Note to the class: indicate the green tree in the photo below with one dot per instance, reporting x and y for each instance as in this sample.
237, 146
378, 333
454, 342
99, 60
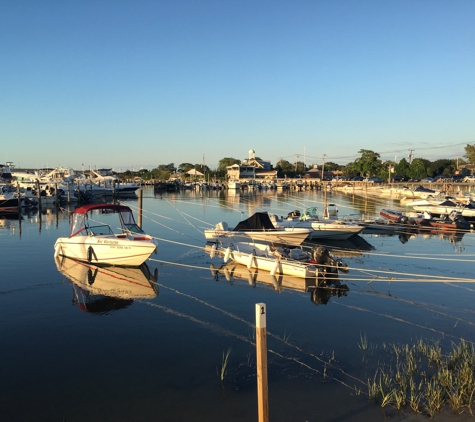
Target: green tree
470, 153
226, 162
419, 168
402, 168
443, 166
299, 167
369, 163
184, 167
167, 167
284, 168
350, 170
331, 166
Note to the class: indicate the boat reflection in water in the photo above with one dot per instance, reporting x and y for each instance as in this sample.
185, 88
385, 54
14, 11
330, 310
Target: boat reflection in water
321, 289
102, 289
354, 246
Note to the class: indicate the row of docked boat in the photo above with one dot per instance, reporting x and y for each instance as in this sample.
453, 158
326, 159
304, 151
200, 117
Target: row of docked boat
271, 243
64, 184
454, 220
292, 229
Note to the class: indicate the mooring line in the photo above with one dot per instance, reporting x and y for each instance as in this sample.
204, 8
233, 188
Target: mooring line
357, 308
214, 327
416, 304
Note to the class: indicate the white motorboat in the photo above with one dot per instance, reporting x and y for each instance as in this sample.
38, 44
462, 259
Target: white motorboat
258, 227
467, 210
9, 201
94, 241
418, 192
326, 228
279, 260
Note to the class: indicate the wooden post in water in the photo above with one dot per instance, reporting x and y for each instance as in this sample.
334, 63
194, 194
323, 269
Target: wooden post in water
140, 200
38, 194
56, 195
261, 361
18, 193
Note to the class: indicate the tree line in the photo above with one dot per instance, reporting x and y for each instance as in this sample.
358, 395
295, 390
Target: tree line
369, 163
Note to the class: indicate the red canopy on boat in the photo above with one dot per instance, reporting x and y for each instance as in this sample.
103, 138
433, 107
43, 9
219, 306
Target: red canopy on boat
91, 207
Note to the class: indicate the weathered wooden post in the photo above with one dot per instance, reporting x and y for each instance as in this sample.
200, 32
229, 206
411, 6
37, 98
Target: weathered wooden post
18, 194
38, 194
261, 361
140, 200
56, 195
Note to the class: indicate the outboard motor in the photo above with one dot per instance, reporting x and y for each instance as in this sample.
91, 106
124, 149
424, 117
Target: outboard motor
292, 214
327, 263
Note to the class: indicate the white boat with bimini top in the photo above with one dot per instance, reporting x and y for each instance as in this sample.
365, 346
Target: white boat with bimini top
94, 241
258, 227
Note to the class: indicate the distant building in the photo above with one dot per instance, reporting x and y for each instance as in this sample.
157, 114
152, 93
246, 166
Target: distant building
251, 168
315, 173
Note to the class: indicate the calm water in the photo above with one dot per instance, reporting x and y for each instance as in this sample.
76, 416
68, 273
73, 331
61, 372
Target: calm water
69, 354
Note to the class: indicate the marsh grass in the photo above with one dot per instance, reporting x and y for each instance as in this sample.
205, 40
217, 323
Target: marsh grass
224, 365
363, 344
425, 380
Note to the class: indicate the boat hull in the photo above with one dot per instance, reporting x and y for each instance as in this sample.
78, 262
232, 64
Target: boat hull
105, 250
286, 236
294, 269
8, 204
323, 230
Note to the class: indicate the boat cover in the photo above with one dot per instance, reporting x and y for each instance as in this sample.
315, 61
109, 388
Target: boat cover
257, 221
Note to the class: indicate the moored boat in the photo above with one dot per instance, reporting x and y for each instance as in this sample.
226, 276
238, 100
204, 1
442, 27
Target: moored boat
95, 242
280, 260
258, 227
329, 227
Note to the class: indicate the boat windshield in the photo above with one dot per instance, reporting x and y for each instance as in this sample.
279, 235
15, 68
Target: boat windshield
128, 222
311, 212
78, 225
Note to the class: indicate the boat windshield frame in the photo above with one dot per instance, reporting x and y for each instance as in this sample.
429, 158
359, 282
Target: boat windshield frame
80, 218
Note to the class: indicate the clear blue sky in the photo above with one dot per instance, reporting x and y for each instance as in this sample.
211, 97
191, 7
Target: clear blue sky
130, 84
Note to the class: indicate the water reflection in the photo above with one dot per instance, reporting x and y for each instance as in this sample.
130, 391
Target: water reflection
321, 289
353, 246
103, 289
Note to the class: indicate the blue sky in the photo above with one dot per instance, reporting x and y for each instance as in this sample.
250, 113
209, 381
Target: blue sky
131, 84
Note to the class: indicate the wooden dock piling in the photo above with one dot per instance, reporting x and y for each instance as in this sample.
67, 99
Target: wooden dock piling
261, 360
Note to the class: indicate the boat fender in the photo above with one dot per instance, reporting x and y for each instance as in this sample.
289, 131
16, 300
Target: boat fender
212, 254
275, 267
155, 251
90, 253
251, 278
251, 260
214, 272
227, 254
227, 274
56, 251
91, 277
